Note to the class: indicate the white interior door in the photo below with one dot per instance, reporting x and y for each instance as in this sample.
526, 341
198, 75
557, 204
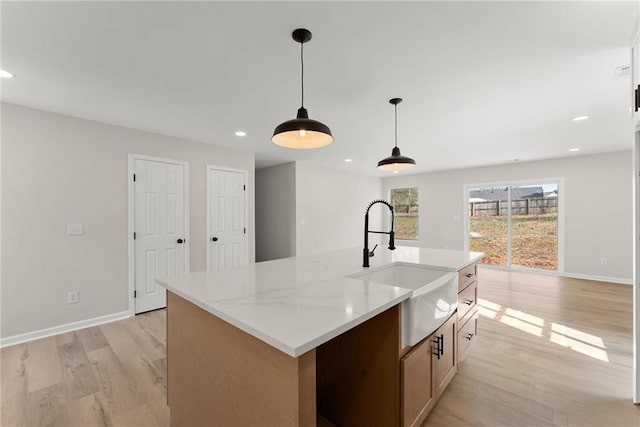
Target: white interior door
227, 238
160, 240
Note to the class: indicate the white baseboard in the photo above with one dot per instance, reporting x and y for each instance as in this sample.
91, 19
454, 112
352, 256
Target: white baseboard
619, 280
68, 327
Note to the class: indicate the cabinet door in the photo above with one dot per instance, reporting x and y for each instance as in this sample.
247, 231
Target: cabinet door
418, 387
445, 363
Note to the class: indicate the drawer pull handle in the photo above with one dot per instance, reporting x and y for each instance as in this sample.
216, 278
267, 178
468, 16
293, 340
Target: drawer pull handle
439, 342
468, 301
469, 336
469, 274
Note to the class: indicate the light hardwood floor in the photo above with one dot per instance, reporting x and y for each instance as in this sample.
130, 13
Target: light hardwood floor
111, 375
550, 351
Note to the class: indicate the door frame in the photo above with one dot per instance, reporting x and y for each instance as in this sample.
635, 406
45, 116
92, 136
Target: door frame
245, 173
131, 218
636, 264
561, 228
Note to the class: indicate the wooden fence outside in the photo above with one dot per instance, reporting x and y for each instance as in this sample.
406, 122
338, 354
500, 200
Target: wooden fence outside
532, 206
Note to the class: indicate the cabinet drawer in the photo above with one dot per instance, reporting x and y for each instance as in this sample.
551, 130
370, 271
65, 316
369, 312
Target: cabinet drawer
467, 336
467, 302
467, 275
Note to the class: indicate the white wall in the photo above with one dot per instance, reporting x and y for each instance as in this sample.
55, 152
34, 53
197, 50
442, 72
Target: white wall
598, 211
332, 205
58, 169
276, 212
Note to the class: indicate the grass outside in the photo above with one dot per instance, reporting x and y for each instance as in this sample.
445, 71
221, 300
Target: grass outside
534, 240
406, 227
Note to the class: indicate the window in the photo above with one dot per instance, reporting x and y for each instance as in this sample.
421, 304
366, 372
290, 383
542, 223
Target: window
405, 208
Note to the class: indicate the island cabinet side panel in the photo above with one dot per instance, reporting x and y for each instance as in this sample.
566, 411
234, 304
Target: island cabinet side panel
218, 375
358, 374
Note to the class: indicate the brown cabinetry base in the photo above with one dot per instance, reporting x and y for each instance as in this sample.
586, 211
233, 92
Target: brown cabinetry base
358, 374
219, 375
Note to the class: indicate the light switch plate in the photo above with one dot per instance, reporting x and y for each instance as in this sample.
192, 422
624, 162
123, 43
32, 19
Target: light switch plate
75, 229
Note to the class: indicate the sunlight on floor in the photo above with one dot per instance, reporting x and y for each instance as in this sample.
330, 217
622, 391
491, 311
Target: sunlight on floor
523, 326
565, 336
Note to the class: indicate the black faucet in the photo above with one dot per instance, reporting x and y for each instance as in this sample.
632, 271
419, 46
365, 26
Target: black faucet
365, 252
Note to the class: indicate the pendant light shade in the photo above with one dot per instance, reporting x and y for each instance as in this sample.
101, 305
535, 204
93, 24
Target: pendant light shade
396, 161
302, 132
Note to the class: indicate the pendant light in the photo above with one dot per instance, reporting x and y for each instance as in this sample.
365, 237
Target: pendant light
302, 132
396, 161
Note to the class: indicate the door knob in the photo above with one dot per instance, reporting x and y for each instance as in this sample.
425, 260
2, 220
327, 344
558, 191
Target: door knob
214, 239
180, 241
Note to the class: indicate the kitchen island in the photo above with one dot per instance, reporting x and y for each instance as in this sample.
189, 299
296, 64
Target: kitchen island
279, 342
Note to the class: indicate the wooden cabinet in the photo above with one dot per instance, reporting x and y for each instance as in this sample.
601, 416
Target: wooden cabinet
467, 301
467, 336
467, 276
418, 387
428, 367
426, 371
446, 361
467, 310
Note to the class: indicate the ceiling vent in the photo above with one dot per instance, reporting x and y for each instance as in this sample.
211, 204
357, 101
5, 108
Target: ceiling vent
621, 72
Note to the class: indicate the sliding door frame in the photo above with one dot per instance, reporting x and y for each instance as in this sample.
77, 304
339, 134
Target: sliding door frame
516, 183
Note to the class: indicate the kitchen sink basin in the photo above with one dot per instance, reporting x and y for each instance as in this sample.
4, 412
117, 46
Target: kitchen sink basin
434, 297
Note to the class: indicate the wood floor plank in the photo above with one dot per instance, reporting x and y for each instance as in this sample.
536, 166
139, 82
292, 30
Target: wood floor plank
78, 377
14, 412
117, 393
145, 415
88, 411
65, 337
13, 371
92, 338
47, 407
152, 347
42, 364
150, 382
120, 341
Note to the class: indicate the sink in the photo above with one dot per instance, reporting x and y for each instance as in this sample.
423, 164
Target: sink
434, 297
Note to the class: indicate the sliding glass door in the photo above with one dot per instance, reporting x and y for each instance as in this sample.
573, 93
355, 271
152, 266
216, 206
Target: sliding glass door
515, 225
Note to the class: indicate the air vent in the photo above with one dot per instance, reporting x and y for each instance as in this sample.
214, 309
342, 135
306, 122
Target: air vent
621, 72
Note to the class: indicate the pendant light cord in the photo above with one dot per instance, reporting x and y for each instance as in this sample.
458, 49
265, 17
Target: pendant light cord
395, 108
302, 74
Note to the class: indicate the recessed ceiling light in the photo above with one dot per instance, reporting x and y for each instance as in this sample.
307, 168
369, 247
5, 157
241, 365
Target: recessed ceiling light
574, 149
241, 133
396, 171
348, 160
580, 118
5, 74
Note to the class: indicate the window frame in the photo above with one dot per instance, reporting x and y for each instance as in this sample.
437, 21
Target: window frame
417, 188
515, 183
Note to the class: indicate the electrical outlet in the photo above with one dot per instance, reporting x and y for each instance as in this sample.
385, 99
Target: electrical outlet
604, 261
72, 297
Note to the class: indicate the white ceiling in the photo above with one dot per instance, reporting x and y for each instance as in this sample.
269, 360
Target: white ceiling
483, 83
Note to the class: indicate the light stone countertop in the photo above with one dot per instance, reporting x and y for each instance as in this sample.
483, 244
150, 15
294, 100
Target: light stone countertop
296, 304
